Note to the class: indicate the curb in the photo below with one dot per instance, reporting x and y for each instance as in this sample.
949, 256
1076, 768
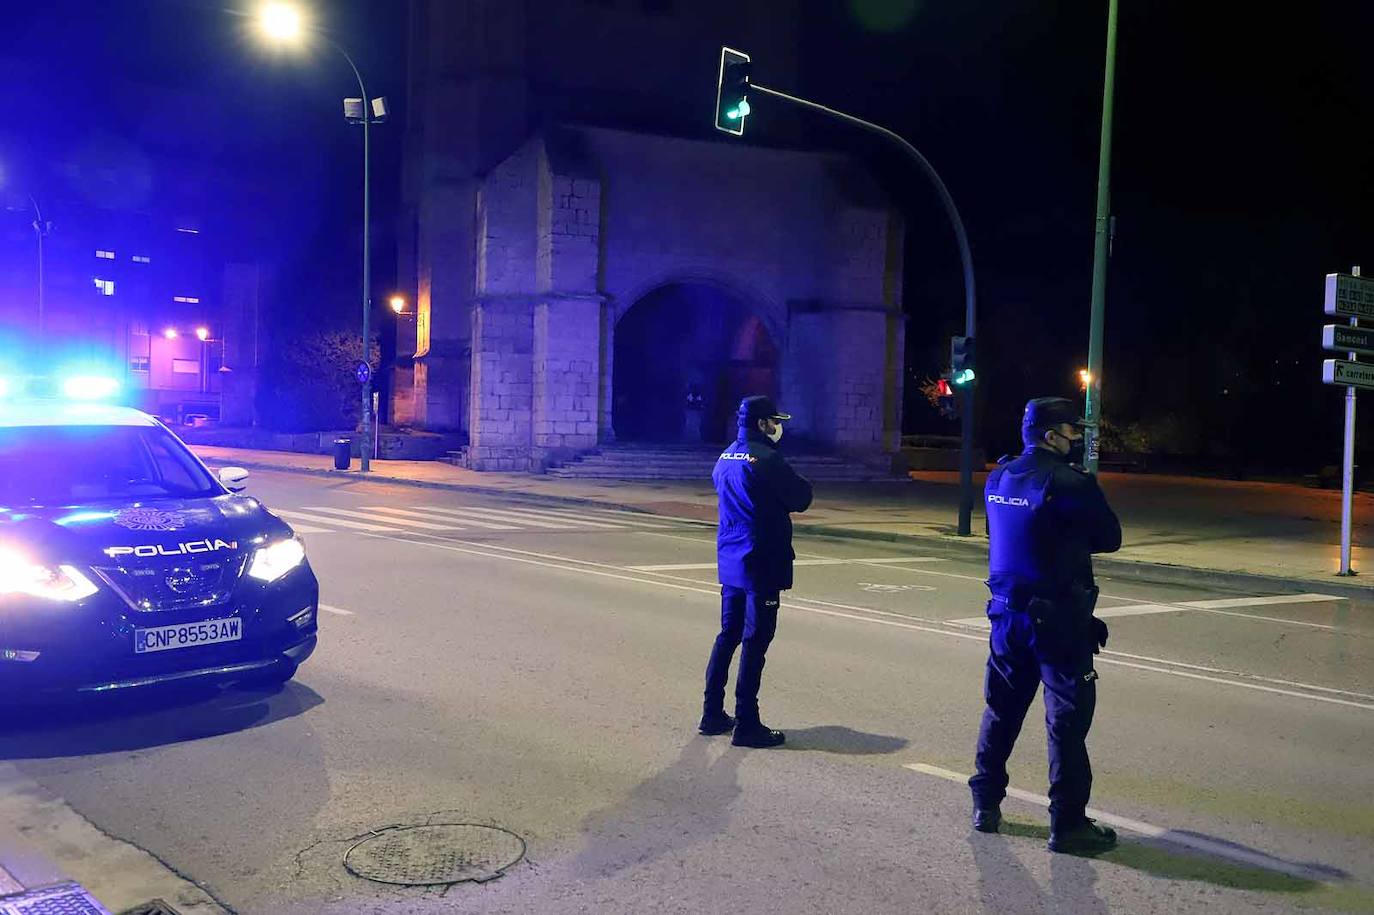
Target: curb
1123, 569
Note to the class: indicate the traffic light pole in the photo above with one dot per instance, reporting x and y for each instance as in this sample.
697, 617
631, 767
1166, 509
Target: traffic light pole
970, 296
1093, 401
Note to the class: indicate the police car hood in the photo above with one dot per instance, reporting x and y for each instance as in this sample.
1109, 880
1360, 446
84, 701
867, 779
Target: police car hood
171, 528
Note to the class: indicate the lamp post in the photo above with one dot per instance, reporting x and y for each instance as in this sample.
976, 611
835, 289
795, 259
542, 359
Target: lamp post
1093, 390
284, 23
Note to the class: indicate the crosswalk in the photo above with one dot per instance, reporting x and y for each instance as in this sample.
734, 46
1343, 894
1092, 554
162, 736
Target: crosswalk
392, 519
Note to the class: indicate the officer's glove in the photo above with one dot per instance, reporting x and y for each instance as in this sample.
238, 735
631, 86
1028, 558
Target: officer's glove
1099, 634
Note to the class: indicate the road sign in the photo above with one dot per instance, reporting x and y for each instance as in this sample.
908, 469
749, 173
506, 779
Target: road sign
1349, 295
364, 373
1348, 339
1348, 374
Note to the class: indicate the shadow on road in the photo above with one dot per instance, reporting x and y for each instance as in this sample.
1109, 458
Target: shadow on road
833, 738
1158, 858
1004, 884
686, 803
154, 718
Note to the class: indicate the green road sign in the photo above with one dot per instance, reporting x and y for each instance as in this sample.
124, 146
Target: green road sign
1348, 295
1348, 339
1348, 374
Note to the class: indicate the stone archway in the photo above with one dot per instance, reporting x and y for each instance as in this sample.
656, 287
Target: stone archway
688, 338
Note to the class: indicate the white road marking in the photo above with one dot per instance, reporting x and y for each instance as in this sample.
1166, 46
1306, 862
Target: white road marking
467, 520
337, 611
1258, 601
1197, 843
337, 522
637, 519
981, 622
309, 529
371, 516
503, 517
566, 564
702, 566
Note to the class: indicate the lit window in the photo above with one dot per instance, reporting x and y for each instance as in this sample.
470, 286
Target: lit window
187, 299
139, 363
142, 259
104, 255
185, 367
106, 287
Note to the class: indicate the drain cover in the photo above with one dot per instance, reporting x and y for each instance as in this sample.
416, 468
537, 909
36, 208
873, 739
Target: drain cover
435, 855
156, 907
61, 899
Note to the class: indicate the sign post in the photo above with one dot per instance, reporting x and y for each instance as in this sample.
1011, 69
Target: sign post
1352, 296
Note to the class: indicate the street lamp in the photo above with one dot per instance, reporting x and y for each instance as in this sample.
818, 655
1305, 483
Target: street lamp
398, 304
283, 23
203, 334
170, 333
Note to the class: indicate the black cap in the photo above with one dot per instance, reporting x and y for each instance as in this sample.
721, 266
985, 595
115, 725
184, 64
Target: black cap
1043, 412
752, 409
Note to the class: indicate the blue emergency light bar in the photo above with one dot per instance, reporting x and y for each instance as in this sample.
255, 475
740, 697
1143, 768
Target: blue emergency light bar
85, 387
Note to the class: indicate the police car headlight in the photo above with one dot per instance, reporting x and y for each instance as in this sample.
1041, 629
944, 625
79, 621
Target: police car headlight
21, 575
272, 562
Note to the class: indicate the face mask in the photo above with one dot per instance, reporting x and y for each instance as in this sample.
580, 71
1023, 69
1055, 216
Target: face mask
776, 435
1077, 450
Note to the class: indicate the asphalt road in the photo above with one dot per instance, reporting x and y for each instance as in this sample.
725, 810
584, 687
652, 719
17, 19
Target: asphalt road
498, 662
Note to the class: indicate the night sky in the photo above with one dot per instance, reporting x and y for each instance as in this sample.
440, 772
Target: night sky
1241, 175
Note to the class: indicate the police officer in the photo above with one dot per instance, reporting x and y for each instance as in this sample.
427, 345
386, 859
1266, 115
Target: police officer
758, 490
1046, 516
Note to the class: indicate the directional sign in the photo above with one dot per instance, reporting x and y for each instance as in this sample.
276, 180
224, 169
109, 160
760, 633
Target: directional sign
1352, 296
1348, 339
364, 373
1348, 374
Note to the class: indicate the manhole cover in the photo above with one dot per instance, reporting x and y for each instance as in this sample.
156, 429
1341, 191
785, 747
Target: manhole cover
62, 899
435, 855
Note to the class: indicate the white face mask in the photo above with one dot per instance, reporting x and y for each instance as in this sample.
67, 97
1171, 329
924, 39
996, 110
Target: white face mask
776, 434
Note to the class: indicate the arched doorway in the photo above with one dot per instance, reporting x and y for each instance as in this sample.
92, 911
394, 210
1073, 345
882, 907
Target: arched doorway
688, 339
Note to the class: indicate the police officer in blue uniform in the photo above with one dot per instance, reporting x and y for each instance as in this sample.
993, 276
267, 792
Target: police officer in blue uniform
1046, 516
758, 491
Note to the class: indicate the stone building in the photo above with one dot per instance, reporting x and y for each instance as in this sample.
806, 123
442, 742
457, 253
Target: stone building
591, 265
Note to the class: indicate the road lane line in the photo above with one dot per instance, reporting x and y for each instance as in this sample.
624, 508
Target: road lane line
337, 522
369, 515
1259, 601
522, 522
638, 519
702, 566
1197, 843
562, 564
430, 510
337, 611
534, 517
309, 529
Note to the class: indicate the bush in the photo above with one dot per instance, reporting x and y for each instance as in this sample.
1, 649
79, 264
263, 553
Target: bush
308, 382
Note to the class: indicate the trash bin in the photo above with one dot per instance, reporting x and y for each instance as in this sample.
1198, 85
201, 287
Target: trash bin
343, 453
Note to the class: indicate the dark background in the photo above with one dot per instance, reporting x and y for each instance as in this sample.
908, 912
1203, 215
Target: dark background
1241, 175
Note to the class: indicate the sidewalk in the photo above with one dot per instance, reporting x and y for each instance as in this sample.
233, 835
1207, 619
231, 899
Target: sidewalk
1241, 534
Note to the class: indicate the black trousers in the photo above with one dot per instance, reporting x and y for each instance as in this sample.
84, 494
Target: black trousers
1022, 656
748, 620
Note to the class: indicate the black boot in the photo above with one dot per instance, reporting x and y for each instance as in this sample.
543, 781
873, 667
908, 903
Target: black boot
987, 819
758, 736
713, 723
1083, 838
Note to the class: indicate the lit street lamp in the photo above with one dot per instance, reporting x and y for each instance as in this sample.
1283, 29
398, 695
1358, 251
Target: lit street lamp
398, 304
284, 23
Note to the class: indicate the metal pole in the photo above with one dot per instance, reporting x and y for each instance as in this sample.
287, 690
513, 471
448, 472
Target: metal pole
970, 293
1348, 466
365, 464
41, 228
1093, 400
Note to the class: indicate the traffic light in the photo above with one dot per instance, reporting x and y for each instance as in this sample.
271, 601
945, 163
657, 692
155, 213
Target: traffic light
732, 91
945, 399
961, 360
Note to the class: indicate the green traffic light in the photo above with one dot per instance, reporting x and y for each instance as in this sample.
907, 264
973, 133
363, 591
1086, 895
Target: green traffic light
963, 377
739, 111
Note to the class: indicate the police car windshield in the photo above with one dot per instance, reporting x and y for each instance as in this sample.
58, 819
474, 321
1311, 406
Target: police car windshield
75, 465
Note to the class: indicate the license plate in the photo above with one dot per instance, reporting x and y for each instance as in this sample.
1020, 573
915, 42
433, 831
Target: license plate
187, 635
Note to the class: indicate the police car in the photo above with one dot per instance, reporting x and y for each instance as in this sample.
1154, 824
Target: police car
125, 562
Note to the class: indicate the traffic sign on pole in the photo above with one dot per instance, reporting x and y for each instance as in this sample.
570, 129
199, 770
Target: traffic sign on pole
1350, 295
1348, 339
1348, 374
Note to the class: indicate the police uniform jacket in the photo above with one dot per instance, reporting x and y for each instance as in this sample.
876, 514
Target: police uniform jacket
1045, 520
758, 490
